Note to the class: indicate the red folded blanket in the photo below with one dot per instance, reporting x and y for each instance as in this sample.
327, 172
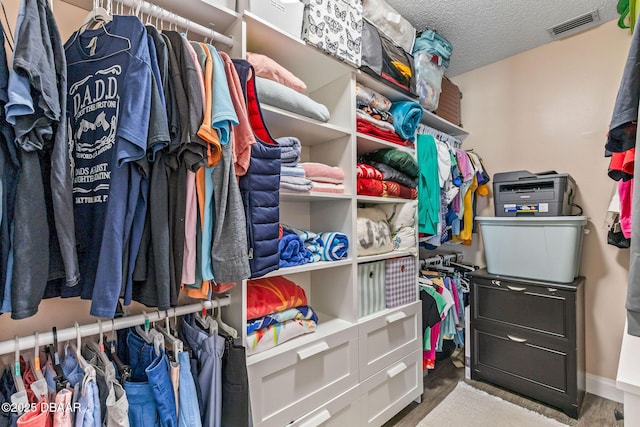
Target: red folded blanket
271, 295
369, 128
368, 171
370, 187
393, 189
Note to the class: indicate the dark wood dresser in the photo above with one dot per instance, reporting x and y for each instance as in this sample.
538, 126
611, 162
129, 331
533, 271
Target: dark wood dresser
528, 336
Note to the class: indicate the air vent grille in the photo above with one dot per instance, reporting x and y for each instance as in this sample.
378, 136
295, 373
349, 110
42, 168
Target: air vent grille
574, 25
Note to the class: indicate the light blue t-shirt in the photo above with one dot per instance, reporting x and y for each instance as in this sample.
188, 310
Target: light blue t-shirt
223, 115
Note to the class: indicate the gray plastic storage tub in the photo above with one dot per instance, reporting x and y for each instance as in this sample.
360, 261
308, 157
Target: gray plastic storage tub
542, 248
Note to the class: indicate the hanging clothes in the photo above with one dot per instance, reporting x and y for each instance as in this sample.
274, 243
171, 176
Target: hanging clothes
36, 108
109, 109
621, 137
260, 186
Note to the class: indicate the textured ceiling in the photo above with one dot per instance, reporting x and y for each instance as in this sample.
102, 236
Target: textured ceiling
483, 32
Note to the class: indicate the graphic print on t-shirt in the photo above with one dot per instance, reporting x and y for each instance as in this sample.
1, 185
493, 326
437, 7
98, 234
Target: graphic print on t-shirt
95, 105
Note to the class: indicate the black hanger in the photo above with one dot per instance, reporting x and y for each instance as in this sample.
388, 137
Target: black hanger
60, 380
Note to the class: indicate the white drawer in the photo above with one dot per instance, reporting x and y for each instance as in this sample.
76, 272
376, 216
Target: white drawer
388, 337
391, 389
292, 384
342, 411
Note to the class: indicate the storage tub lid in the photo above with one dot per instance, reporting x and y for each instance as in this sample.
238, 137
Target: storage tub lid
532, 220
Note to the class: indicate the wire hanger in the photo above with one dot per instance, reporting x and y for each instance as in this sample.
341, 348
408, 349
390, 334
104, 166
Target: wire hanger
98, 15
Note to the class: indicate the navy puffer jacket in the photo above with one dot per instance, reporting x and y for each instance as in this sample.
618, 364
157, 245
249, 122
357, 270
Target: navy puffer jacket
260, 186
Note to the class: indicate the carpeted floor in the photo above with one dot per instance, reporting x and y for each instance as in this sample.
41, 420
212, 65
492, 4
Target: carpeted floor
467, 406
595, 411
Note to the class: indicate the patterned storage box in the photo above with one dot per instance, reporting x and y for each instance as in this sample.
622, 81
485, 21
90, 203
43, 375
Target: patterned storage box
334, 26
401, 281
371, 298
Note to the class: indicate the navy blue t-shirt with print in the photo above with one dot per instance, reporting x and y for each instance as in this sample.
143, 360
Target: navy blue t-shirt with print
109, 88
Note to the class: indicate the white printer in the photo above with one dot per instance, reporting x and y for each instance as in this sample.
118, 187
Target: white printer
522, 193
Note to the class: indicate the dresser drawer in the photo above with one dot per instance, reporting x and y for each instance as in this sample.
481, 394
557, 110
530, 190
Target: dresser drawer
524, 362
294, 383
342, 411
387, 338
542, 309
390, 390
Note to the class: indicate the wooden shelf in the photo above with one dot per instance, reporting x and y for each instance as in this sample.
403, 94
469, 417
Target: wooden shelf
312, 266
368, 143
327, 325
428, 118
373, 199
309, 131
203, 12
317, 69
288, 196
387, 255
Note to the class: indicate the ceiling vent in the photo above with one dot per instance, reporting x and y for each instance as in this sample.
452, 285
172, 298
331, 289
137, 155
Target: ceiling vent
575, 25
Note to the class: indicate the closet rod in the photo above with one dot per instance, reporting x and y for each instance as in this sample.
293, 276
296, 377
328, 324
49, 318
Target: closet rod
163, 14
46, 338
441, 259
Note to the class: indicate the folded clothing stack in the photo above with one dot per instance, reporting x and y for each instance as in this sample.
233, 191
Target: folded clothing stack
279, 87
374, 116
292, 176
324, 178
299, 247
398, 169
369, 181
277, 311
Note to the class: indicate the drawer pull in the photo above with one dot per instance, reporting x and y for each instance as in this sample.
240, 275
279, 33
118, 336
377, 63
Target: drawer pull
396, 370
516, 288
516, 339
552, 289
317, 419
313, 350
495, 282
396, 316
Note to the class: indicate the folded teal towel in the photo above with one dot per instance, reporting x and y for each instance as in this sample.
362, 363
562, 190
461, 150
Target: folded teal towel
406, 118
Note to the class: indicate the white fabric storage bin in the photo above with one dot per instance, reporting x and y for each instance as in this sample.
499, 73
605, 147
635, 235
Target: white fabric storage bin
335, 26
401, 281
285, 16
371, 278
542, 248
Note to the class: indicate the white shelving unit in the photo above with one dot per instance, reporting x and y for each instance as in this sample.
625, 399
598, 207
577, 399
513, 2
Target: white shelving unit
359, 371
352, 371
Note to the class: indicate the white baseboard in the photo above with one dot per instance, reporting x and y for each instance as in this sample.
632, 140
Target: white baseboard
604, 387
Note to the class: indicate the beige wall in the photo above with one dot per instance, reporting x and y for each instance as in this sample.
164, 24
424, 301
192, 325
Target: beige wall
549, 109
